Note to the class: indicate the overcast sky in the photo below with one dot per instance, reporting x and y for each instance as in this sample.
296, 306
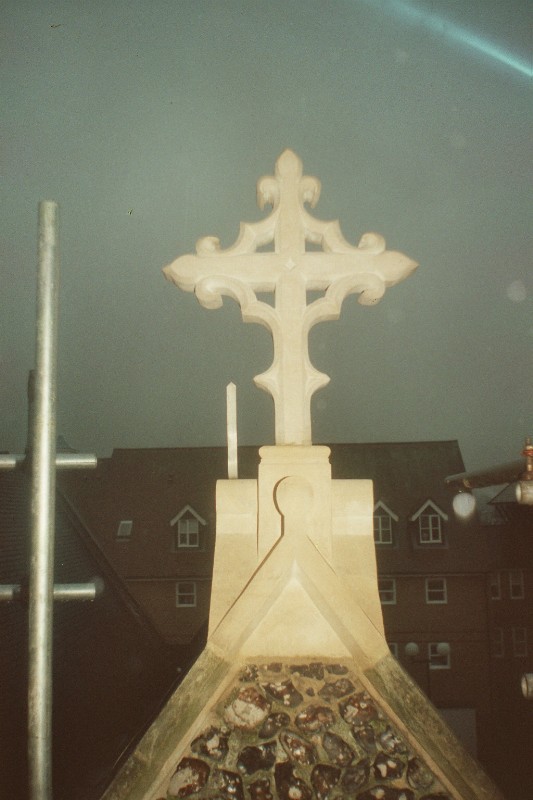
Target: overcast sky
150, 122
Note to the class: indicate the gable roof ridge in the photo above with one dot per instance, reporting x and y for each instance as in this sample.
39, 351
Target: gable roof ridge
435, 508
384, 506
184, 510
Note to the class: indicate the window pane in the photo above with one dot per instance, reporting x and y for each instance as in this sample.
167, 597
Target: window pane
430, 528
439, 655
186, 593
516, 584
382, 529
519, 642
124, 529
436, 590
387, 590
188, 533
495, 586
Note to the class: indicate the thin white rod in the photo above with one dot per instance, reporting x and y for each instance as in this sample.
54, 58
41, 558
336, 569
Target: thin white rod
43, 510
231, 429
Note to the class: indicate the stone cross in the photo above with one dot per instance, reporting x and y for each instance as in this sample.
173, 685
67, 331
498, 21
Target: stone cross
289, 270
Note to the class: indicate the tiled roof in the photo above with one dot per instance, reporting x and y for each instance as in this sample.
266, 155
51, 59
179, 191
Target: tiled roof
405, 474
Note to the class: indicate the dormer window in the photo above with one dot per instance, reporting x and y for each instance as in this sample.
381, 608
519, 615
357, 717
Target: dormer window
430, 529
187, 529
383, 523
188, 533
430, 518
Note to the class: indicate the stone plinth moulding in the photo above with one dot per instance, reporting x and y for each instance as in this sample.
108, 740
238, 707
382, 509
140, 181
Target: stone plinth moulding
245, 270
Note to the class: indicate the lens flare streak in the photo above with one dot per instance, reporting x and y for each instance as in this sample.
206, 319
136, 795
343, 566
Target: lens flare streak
437, 24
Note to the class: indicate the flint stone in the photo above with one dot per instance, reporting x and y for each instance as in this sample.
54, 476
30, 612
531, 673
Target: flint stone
386, 793
253, 758
230, 784
298, 749
336, 669
314, 718
356, 776
358, 708
391, 742
288, 785
387, 766
249, 673
365, 737
324, 778
418, 775
284, 692
273, 723
211, 743
260, 790
191, 776
313, 670
332, 691
337, 749
248, 710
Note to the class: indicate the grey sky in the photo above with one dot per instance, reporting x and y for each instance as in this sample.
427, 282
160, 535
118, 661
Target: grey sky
149, 123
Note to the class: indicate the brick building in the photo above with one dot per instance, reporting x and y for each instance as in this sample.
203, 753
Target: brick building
111, 671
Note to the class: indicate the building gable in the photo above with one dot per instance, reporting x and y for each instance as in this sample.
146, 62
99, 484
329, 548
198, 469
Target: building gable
187, 511
381, 506
427, 508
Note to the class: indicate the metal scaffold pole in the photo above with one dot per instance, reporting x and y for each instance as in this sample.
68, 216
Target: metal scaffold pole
43, 510
41, 455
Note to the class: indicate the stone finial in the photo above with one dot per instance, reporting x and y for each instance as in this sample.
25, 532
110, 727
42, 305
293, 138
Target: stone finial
243, 271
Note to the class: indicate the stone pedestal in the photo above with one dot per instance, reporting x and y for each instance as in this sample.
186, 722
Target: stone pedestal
295, 566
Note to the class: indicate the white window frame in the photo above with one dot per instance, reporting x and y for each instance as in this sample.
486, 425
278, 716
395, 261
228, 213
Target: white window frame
125, 527
382, 529
430, 518
438, 593
188, 534
429, 529
495, 585
435, 659
387, 594
184, 535
497, 643
383, 519
519, 639
186, 594
516, 584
